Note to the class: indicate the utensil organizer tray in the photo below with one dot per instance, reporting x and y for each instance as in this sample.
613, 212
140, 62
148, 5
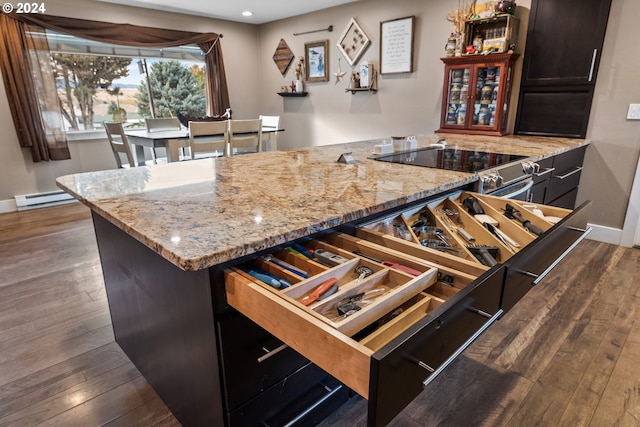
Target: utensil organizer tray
391, 349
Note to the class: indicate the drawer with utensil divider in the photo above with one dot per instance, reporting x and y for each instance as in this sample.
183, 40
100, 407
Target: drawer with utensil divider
549, 214
477, 239
381, 294
384, 314
467, 239
351, 295
516, 222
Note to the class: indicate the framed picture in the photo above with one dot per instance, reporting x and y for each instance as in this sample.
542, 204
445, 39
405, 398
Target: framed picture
396, 45
353, 42
484, 8
316, 61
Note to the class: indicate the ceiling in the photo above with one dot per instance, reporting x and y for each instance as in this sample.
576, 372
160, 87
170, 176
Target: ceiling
231, 10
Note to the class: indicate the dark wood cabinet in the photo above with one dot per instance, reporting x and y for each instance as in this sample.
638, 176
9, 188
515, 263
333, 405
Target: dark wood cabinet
476, 94
557, 180
560, 66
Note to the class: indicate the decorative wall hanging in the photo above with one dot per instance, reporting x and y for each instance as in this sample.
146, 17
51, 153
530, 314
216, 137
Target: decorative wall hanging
339, 74
396, 45
353, 42
283, 56
329, 28
316, 61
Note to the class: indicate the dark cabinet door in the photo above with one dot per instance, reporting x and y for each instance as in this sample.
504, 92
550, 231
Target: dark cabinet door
564, 41
560, 66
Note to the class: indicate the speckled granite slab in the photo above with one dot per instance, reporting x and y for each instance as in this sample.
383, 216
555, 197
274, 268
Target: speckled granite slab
197, 214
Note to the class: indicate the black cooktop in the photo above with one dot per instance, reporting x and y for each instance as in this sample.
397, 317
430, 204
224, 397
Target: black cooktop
450, 158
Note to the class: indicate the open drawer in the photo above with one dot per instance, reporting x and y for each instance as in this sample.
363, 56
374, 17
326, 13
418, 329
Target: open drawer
388, 350
547, 234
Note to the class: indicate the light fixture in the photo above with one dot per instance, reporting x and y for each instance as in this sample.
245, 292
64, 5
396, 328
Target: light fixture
247, 13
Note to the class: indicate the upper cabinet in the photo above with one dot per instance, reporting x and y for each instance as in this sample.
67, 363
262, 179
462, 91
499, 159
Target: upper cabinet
560, 66
476, 93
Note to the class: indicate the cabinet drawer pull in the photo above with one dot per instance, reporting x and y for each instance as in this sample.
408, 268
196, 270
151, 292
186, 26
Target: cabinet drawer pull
566, 175
593, 63
425, 366
539, 277
544, 172
314, 405
271, 353
462, 348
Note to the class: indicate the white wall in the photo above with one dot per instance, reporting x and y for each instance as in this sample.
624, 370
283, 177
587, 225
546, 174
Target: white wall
404, 104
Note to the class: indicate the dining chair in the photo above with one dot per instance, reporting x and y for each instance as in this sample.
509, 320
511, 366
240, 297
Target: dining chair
270, 123
119, 144
164, 124
245, 136
169, 123
209, 138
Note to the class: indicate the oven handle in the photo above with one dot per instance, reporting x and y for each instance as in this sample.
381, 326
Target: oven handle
519, 191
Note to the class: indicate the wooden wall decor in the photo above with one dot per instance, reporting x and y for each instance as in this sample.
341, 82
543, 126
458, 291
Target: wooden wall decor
283, 56
353, 42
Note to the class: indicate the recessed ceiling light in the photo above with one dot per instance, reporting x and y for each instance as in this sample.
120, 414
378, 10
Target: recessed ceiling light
247, 13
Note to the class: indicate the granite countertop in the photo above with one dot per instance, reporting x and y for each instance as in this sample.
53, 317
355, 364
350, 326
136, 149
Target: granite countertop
197, 214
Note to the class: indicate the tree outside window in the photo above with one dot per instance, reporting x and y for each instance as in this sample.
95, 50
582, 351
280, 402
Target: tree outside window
97, 88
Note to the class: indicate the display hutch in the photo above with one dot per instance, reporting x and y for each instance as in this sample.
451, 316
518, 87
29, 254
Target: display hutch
476, 94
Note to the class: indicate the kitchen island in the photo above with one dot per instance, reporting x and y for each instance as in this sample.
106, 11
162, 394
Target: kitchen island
166, 233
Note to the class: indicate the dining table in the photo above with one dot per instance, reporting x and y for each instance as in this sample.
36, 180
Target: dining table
171, 140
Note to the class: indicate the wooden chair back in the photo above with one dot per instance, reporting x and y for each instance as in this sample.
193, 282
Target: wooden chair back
271, 123
155, 125
245, 136
119, 143
211, 138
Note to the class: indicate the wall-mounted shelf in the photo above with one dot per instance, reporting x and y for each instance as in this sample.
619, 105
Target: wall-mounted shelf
373, 83
292, 94
361, 89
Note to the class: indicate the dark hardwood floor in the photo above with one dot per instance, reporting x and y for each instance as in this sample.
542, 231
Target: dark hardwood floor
567, 355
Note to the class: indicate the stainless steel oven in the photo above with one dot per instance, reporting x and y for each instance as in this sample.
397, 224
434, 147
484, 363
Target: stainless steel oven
499, 174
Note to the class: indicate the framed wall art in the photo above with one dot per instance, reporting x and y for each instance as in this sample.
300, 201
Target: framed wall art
396, 45
316, 61
283, 56
353, 42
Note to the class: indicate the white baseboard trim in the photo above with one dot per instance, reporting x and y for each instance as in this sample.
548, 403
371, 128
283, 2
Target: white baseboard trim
8, 205
605, 234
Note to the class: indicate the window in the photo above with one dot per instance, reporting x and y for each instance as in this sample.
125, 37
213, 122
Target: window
30, 82
99, 82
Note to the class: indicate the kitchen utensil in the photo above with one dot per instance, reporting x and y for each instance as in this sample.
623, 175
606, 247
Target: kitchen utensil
328, 258
391, 264
319, 291
449, 223
282, 264
499, 235
485, 254
268, 278
512, 213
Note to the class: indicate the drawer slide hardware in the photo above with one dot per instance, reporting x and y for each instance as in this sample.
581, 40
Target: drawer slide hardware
539, 277
462, 348
271, 353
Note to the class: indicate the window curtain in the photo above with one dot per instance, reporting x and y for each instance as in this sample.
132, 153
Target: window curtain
139, 36
30, 86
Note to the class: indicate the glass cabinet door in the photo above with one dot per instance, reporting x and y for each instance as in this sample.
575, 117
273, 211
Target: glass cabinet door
486, 110
458, 94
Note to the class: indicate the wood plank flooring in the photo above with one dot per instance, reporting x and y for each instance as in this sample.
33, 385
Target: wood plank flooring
567, 355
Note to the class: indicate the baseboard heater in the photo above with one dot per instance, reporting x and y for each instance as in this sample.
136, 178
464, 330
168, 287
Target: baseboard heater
42, 200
